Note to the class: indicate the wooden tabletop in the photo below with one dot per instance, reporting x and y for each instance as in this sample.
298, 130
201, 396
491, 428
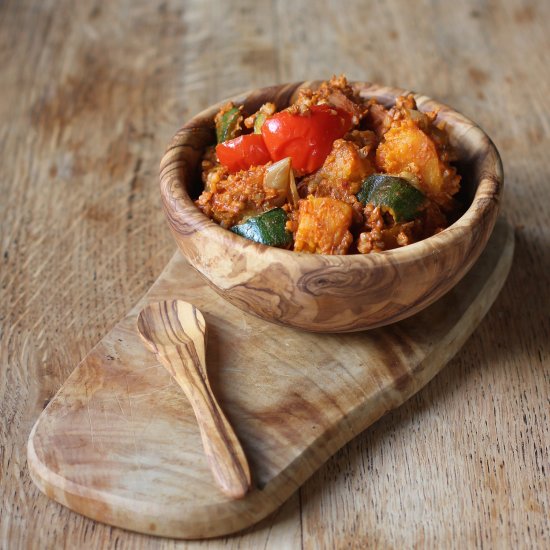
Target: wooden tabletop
91, 93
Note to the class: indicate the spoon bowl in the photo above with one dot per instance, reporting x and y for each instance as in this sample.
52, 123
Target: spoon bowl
160, 326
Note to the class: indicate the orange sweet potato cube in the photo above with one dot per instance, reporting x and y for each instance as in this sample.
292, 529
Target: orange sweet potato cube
323, 226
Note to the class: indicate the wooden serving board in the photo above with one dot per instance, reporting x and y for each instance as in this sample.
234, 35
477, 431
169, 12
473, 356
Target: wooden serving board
119, 442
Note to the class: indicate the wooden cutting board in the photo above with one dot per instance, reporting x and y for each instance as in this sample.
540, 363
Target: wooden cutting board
119, 442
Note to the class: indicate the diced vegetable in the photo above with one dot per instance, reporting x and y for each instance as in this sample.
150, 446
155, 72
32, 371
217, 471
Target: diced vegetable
267, 228
406, 147
306, 138
280, 177
259, 122
323, 226
243, 152
394, 195
228, 124
277, 177
342, 173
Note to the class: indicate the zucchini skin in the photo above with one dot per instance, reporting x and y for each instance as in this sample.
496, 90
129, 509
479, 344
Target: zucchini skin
394, 195
227, 126
259, 122
267, 228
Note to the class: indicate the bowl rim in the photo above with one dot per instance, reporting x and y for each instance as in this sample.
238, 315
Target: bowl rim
179, 205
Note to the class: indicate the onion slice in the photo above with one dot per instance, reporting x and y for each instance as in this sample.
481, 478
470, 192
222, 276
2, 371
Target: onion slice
277, 177
294, 196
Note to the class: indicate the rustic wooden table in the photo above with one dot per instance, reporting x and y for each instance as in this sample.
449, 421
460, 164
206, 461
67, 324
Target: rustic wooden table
91, 93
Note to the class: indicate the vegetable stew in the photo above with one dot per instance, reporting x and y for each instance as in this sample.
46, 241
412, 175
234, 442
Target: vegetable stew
331, 174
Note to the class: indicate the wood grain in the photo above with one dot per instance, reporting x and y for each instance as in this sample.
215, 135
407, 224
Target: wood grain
176, 332
92, 92
324, 293
138, 464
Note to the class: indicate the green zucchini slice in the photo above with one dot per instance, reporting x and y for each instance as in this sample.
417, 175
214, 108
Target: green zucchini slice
259, 122
394, 195
227, 125
267, 228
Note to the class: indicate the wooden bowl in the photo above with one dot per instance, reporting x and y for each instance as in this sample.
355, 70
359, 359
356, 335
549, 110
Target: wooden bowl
324, 293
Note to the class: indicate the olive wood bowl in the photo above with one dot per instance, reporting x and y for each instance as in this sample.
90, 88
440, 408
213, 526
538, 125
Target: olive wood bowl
324, 293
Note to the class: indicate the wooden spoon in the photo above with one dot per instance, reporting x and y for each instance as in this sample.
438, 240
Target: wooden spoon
176, 332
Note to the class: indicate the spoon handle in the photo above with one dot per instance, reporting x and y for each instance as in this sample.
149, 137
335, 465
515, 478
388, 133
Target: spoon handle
221, 446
